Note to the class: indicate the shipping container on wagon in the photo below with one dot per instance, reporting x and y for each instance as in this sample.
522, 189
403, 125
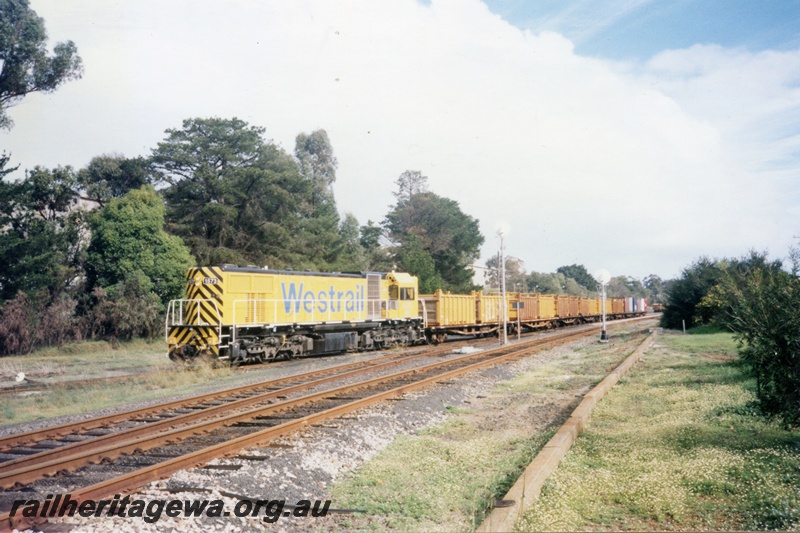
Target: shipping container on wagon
528, 308
642, 308
585, 306
489, 308
629, 305
547, 306
445, 309
567, 306
617, 306
594, 306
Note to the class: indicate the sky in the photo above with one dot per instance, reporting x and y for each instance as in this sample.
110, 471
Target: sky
630, 135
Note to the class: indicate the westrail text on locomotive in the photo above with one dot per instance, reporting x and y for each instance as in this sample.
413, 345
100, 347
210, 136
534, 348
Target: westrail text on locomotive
324, 301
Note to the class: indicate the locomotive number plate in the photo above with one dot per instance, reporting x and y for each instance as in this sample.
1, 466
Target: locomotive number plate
210, 281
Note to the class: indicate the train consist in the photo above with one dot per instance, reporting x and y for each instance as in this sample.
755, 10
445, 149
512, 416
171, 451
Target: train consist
248, 314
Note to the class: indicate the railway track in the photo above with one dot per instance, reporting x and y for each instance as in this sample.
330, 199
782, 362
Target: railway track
119, 453
36, 386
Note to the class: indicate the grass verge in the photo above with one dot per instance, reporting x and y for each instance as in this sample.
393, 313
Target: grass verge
159, 379
445, 477
678, 445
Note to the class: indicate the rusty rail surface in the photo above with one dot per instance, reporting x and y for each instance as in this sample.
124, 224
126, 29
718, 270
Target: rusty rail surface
29, 469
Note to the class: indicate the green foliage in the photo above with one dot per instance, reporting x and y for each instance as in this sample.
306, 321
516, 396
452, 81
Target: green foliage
235, 198
625, 287
686, 293
377, 258
4, 159
516, 279
26, 66
130, 308
761, 304
409, 183
656, 288
580, 275
40, 244
451, 237
555, 283
418, 262
128, 237
112, 176
317, 165
350, 256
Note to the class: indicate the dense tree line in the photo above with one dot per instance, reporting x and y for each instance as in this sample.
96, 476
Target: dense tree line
100, 251
213, 191
570, 279
759, 301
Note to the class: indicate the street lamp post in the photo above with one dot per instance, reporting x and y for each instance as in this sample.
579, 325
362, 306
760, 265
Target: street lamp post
603, 276
502, 230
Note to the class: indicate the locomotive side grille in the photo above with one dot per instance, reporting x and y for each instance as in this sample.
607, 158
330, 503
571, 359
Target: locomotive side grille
373, 296
256, 309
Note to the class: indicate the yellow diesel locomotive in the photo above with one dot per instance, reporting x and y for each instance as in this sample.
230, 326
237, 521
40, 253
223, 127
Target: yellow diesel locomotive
249, 314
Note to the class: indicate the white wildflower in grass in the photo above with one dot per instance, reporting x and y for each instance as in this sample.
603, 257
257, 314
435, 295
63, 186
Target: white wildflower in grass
677, 445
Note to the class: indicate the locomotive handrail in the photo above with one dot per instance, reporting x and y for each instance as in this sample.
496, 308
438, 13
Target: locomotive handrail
182, 321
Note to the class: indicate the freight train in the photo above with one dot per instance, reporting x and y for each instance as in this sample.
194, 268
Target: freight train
250, 315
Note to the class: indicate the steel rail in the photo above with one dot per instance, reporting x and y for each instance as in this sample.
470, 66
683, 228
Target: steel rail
54, 432
111, 447
142, 476
8, 468
93, 423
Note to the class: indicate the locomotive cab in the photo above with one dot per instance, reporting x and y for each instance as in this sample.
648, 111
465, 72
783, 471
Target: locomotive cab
402, 296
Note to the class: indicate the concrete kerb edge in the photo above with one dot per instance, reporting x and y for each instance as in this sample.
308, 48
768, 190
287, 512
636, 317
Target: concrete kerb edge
528, 486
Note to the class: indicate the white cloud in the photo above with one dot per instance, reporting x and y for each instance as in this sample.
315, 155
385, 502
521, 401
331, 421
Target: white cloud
636, 168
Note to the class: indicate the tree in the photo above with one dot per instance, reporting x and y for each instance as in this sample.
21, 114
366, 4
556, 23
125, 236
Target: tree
546, 283
418, 262
112, 176
657, 288
409, 183
686, 293
235, 198
451, 237
350, 255
40, 236
516, 278
317, 164
4, 159
26, 66
760, 303
127, 237
377, 257
580, 275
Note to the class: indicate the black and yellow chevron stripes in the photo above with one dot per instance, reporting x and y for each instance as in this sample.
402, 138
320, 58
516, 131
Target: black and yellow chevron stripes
202, 337
204, 283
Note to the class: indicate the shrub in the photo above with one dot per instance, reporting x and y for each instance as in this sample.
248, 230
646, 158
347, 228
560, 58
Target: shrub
126, 310
763, 310
18, 325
